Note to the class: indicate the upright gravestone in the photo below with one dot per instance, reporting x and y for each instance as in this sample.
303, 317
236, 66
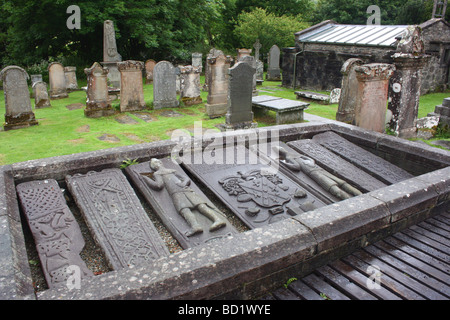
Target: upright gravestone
40, 94
404, 95
257, 45
71, 78
35, 78
371, 99
57, 77
190, 85
197, 60
212, 53
443, 110
132, 90
98, 103
164, 86
349, 89
217, 101
242, 53
149, 66
17, 99
251, 61
273, 70
240, 91
110, 54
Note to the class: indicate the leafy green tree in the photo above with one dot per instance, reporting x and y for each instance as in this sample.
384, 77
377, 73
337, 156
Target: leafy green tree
268, 28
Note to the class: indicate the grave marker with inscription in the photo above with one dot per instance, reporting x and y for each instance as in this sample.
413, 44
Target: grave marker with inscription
71, 78
149, 66
57, 76
98, 103
217, 100
164, 86
40, 94
56, 233
361, 158
179, 203
273, 70
131, 89
190, 87
110, 54
116, 218
349, 90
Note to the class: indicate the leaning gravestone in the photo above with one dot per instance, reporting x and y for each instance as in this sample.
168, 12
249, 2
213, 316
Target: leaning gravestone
217, 100
256, 193
71, 78
40, 94
164, 86
349, 90
240, 91
336, 165
17, 99
98, 103
273, 70
131, 88
188, 214
56, 233
361, 158
58, 88
110, 54
115, 216
190, 85
149, 66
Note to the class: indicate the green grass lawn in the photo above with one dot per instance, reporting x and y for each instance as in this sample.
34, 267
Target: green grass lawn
63, 132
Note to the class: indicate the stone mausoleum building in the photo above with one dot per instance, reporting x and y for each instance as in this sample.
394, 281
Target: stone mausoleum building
321, 50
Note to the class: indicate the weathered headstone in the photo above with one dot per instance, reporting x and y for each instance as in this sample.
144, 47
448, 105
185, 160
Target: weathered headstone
371, 101
71, 78
242, 53
18, 113
110, 54
217, 100
257, 45
336, 165
40, 94
349, 91
98, 103
190, 85
131, 89
197, 60
361, 158
56, 233
184, 209
335, 96
240, 91
256, 194
251, 61
259, 72
116, 218
273, 69
443, 111
149, 66
404, 93
164, 86
57, 77
35, 78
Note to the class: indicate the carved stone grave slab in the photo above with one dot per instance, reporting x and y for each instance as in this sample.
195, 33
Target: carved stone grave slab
336, 165
363, 159
304, 171
56, 233
116, 218
257, 194
170, 191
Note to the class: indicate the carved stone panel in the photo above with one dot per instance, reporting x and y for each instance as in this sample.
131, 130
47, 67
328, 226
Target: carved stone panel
336, 165
116, 218
56, 233
363, 159
257, 194
176, 194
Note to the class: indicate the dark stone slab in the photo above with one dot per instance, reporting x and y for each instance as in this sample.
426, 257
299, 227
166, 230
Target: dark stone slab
175, 193
304, 171
56, 233
144, 116
125, 119
256, 193
336, 165
361, 158
109, 138
75, 106
116, 218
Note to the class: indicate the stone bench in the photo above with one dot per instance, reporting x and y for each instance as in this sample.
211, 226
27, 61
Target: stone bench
287, 111
313, 96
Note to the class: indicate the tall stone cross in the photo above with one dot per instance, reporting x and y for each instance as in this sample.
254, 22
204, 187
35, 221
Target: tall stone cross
257, 46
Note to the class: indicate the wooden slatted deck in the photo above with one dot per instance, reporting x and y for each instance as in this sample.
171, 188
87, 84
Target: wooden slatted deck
410, 265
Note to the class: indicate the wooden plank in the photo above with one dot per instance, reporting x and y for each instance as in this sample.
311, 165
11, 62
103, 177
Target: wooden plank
422, 237
361, 280
432, 227
386, 280
413, 271
399, 275
324, 288
284, 294
304, 291
413, 242
344, 284
442, 219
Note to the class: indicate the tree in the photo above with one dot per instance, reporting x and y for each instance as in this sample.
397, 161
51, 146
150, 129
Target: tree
268, 28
